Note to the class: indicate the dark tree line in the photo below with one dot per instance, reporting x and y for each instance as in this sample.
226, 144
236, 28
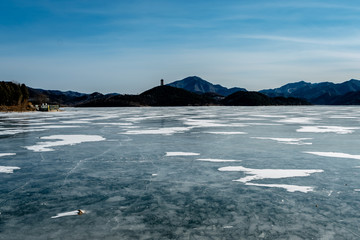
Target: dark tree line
13, 94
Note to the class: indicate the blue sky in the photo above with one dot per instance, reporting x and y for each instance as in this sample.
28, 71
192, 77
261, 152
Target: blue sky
128, 46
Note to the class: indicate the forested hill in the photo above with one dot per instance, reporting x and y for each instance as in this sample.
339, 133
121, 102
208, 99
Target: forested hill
13, 96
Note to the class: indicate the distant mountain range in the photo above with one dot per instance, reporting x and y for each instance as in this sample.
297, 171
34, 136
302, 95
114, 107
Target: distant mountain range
171, 96
157, 96
196, 91
68, 98
161, 96
198, 85
324, 93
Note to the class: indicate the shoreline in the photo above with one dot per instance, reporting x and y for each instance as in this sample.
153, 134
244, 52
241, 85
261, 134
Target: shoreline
20, 108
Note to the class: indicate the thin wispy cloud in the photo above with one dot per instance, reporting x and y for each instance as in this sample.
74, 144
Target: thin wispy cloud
307, 4
325, 41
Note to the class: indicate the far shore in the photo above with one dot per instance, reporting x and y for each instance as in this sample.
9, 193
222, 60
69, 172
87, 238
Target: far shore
17, 108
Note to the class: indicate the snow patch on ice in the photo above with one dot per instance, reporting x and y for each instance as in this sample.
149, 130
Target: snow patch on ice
289, 188
301, 120
172, 154
57, 126
7, 169
228, 227
160, 131
65, 214
264, 124
30, 123
327, 129
258, 174
294, 141
75, 122
237, 125
63, 140
217, 160
335, 155
115, 124
227, 133
246, 119
268, 116
7, 154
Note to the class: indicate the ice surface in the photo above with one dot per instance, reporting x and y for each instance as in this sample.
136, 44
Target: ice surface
172, 154
327, 129
64, 140
294, 141
335, 155
204, 123
7, 169
17, 131
136, 190
105, 117
217, 160
257, 174
342, 117
7, 154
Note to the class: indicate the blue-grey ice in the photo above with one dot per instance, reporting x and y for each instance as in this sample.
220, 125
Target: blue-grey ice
168, 173
11, 131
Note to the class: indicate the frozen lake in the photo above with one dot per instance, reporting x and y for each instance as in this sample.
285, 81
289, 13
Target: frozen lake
181, 173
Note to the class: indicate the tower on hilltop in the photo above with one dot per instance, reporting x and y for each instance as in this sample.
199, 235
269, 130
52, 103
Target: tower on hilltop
162, 82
